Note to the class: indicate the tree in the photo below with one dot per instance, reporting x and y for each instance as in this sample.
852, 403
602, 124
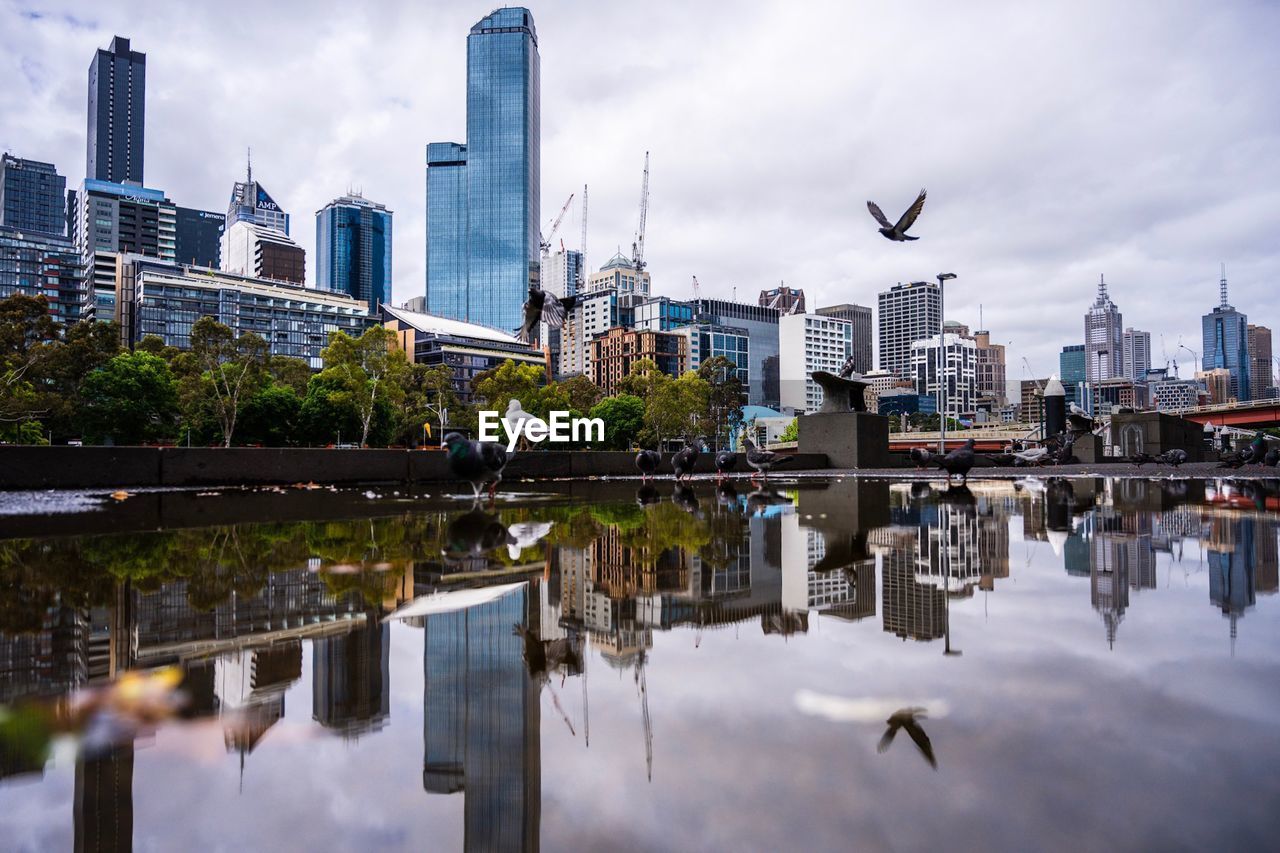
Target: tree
270, 416
510, 381
26, 330
725, 396
792, 432
291, 372
231, 369
623, 418
674, 407
131, 398
370, 369
428, 393
582, 393
64, 365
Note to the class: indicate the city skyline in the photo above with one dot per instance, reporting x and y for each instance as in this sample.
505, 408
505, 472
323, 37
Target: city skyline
1155, 204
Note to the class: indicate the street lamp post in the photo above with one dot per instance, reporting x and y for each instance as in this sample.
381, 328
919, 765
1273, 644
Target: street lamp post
942, 350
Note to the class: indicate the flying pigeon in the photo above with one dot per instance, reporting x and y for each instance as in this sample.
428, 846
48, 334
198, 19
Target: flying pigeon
958, 461
905, 718
647, 462
762, 460
684, 460
539, 308
477, 462
898, 232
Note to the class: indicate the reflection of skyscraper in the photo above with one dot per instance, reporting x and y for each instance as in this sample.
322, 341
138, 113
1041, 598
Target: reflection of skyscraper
350, 680
103, 808
911, 609
1231, 567
1109, 580
1266, 555
482, 722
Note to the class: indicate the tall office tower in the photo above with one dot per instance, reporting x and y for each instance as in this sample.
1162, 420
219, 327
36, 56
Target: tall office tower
761, 324
809, 342
500, 166
255, 236
621, 274
908, 313
199, 237
251, 203
783, 299
1103, 338
991, 372
111, 220
1071, 370
117, 108
1262, 375
1226, 343
40, 264
860, 317
353, 249
33, 196
1136, 354
351, 680
562, 272
958, 373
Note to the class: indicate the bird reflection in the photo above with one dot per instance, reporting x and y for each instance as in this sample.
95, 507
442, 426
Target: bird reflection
683, 497
726, 495
921, 491
472, 535
761, 499
906, 718
646, 495
957, 496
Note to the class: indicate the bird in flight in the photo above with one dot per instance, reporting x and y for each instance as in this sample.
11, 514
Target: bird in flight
907, 718
898, 232
543, 306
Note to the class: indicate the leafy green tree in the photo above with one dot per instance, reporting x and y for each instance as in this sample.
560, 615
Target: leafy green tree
328, 412
674, 407
725, 396
231, 370
291, 372
370, 369
623, 418
428, 394
131, 398
582, 393
508, 381
792, 432
270, 416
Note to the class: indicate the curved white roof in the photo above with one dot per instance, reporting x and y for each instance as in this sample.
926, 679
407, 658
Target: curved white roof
443, 326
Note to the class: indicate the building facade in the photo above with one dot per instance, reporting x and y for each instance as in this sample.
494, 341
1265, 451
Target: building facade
663, 314
353, 249
860, 317
705, 341
761, 324
1136, 354
500, 167
957, 374
1262, 373
783, 299
466, 349
908, 313
809, 342
166, 299
114, 219
1103, 338
1217, 384
258, 252
1174, 395
117, 112
991, 372
620, 273
1071, 369
1225, 333
39, 264
198, 237
33, 196
595, 313
613, 354
250, 202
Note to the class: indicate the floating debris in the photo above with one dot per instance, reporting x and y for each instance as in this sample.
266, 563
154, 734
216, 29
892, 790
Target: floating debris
120, 495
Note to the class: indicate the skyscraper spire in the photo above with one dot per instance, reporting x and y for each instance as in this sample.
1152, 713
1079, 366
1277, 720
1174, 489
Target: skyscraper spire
248, 165
1222, 286
1102, 288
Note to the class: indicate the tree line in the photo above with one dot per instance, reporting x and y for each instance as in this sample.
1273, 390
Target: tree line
79, 383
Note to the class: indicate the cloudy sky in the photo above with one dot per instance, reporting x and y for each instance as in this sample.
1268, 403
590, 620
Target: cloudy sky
1058, 141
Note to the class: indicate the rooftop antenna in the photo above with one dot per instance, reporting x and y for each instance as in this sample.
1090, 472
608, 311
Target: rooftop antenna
1222, 285
248, 159
980, 326
1102, 288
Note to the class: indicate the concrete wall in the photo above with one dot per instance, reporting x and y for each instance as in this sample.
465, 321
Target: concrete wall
151, 467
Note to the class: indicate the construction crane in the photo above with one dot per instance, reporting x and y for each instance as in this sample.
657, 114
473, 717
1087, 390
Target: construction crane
643, 690
544, 243
697, 290
637, 247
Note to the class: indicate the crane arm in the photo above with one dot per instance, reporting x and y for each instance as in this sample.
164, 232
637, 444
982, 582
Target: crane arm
637, 248
555, 226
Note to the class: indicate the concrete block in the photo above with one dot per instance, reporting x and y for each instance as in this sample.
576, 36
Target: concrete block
849, 439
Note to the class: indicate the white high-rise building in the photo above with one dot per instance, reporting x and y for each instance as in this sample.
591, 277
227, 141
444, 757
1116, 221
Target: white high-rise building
1136, 354
959, 372
1103, 338
809, 342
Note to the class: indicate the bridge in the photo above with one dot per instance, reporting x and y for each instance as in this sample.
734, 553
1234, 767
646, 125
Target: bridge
1250, 414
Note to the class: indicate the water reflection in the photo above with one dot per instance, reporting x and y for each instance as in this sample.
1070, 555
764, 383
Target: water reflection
240, 608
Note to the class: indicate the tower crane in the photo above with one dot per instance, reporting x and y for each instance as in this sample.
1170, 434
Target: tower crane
697, 290
544, 243
637, 247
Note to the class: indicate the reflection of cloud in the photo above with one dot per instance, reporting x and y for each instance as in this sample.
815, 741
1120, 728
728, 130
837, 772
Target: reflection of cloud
877, 709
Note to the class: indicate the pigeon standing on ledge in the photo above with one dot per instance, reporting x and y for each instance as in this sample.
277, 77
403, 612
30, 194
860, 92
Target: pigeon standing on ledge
958, 462
762, 460
920, 456
726, 461
898, 231
647, 462
1174, 457
476, 462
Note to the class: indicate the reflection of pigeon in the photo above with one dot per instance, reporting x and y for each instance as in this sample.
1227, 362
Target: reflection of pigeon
762, 460
684, 460
647, 461
684, 497
477, 462
474, 534
726, 495
1272, 458
646, 495
905, 718
726, 461
958, 461
898, 231
1174, 457
1139, 459
760, 500
525, 533
538, 307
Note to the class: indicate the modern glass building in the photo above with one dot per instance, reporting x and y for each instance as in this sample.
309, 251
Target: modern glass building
761, 325
114, 219
1071, 369
199, 237
1226, 343
117, 106
500, 167
353, 249
39, 264
33, 196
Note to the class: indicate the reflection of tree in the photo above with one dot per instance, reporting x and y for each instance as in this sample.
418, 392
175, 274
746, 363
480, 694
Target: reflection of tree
664, 526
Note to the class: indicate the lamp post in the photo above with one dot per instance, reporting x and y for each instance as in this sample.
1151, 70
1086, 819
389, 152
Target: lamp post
943, 278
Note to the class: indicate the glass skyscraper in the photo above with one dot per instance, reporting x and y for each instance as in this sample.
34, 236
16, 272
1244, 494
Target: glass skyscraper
1226, 343
33, 196
117, 107
353, 249
491, 184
